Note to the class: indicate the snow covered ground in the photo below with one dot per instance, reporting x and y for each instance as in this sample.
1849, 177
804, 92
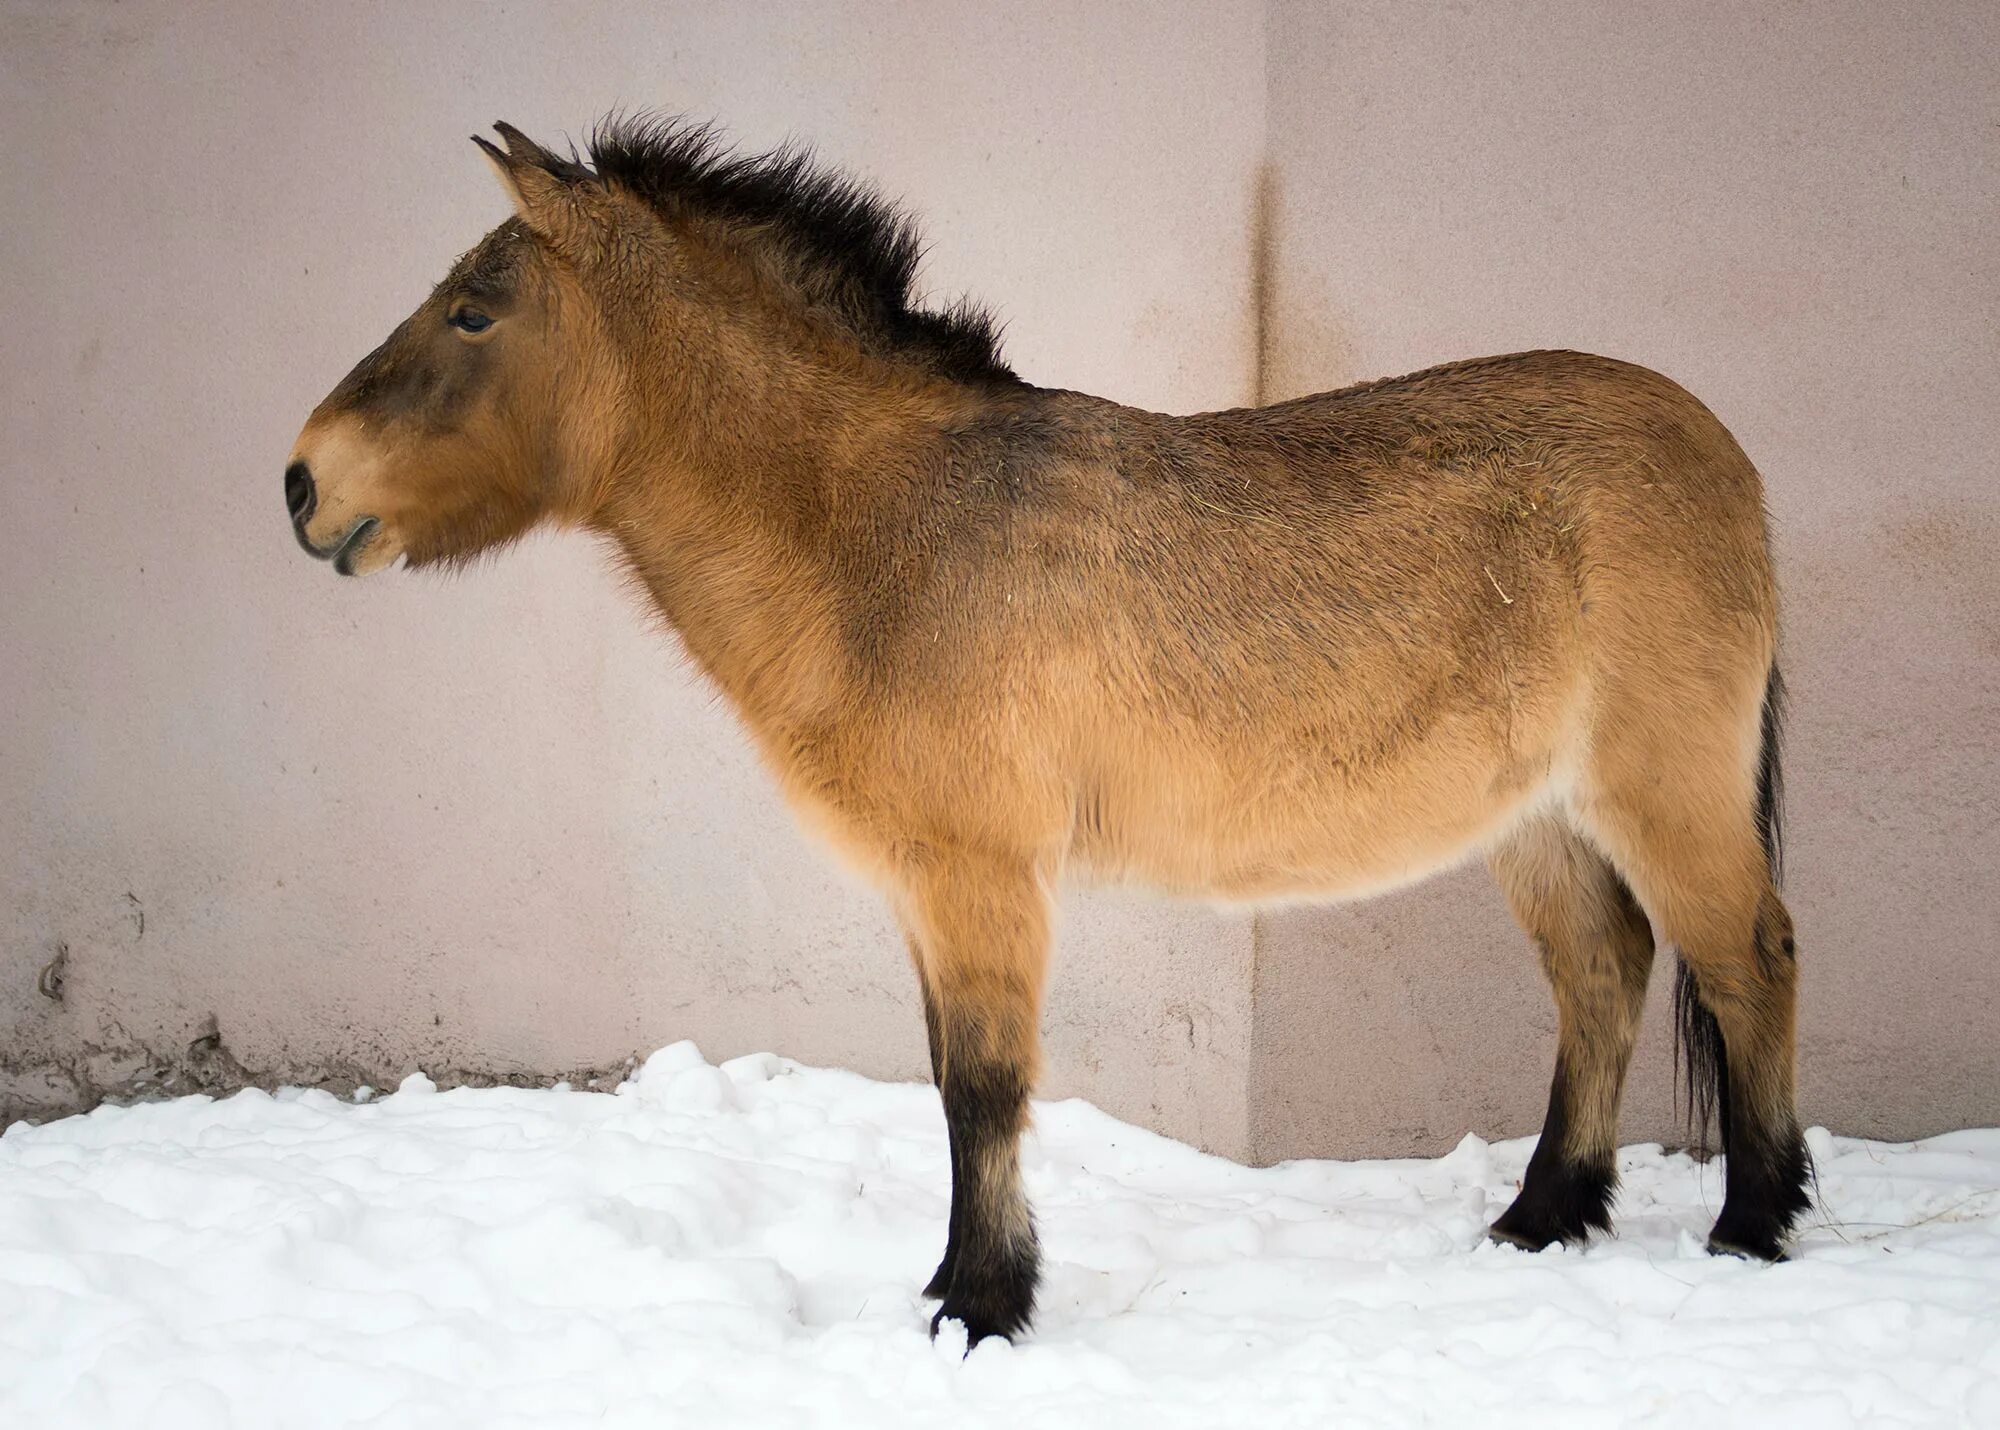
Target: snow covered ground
741, 1246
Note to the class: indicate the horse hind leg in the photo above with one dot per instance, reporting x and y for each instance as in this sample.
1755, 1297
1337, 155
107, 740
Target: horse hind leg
1737, 946
1767, 1169
1700, 853
1597, 950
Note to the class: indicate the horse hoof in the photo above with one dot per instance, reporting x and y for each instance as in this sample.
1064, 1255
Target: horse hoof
977, 1328
1501, 1236
1537, 1227
1002, 1310
1747, 1249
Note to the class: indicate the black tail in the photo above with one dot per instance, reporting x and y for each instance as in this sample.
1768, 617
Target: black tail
1698, 1056
1771, 778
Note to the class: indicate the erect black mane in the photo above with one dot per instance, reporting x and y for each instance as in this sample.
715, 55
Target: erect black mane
848, 248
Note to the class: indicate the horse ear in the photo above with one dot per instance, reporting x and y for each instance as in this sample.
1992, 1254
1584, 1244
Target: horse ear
550, 193
521, 149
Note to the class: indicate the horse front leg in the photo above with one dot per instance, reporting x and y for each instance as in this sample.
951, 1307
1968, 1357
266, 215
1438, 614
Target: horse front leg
980, 928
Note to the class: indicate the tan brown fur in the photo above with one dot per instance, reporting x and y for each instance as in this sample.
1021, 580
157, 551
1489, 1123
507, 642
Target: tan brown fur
989, 636
1597, 950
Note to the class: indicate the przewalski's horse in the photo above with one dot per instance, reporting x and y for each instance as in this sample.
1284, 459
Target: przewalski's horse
989, 635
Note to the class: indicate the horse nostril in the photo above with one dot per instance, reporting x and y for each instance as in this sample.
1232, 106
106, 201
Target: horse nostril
300, 499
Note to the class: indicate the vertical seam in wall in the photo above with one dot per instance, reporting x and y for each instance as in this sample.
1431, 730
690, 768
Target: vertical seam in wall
1262, 220
1261, 242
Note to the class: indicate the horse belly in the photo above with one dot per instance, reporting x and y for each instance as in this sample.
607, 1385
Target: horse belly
1316, 833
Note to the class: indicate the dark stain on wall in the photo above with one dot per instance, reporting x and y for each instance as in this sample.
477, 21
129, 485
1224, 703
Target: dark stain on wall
1263, 243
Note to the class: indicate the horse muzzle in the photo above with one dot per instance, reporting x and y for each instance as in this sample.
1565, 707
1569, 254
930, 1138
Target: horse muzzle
302, 502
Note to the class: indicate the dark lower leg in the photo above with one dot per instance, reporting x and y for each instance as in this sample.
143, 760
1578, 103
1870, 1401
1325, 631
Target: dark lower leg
981, 927
1566, 1194
940, 1280
1766, 1171
992, 1259
1597, 950
1765, 1175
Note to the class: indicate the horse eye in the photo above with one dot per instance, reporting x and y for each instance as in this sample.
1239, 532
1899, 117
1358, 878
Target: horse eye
470, 320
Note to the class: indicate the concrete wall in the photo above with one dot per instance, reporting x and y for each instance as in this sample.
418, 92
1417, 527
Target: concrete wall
1794, 210
490, 824
290, 828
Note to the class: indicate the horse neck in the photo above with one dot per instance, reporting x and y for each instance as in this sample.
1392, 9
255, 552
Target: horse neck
739, 514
